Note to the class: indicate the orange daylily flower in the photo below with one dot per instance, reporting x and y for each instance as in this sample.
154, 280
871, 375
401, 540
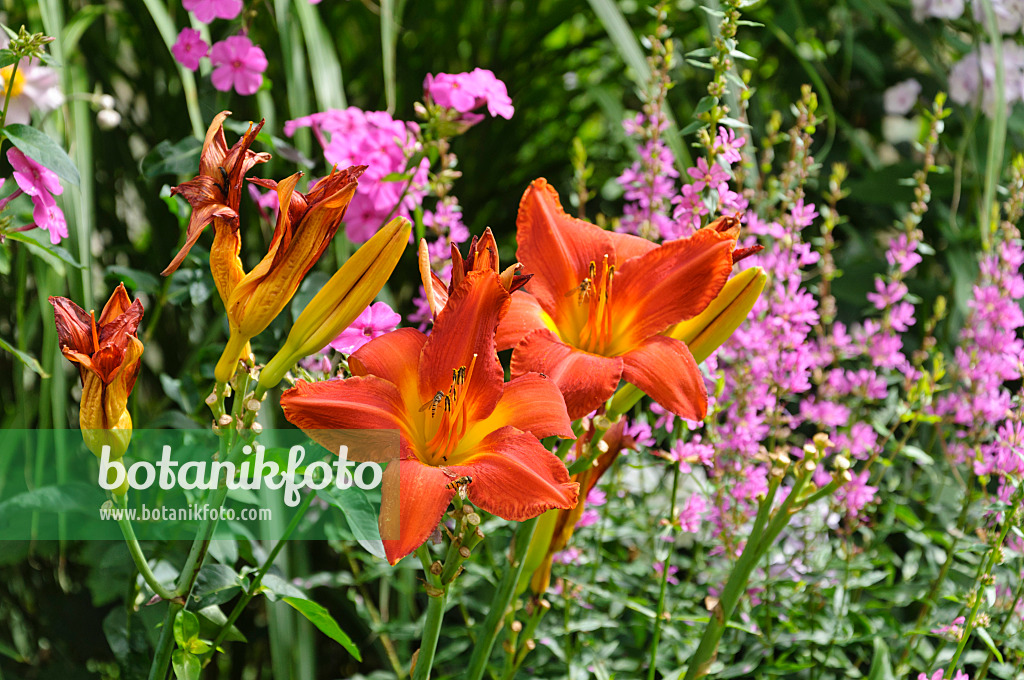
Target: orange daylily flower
215, 195
596, 311
483, 255
456, 416
108, 354
306, 223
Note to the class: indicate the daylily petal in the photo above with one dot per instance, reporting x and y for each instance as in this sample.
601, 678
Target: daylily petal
586, 380
464, 328
362, 403
531, 403
554, 246
394, 357
523, 316
516, 478
628, 246
672, 283
117, 305
414, 497
664, 369
74, 326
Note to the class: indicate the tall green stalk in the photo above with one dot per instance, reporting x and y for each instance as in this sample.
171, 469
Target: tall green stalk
651, 671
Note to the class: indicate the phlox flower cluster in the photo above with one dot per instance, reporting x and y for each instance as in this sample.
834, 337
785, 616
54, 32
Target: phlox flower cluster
466, 92
352, 136
237, 63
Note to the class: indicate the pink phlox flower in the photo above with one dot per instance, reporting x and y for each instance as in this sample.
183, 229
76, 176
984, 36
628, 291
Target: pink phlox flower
465, 92
267, 202
189, 48
41, 184
375, 321
208, 10
355, 137
237, 64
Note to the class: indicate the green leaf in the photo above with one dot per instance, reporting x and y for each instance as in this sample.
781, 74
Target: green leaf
24, 357
989, 642
54, 255
323, 620
186, 628
135, 279
881, 665
186, 665
7, 57
180, 158
216, 584
43, 150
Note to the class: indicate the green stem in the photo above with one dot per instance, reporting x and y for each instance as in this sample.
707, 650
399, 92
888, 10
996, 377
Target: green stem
165, 645
651, 671
993, 557
432, 625
9, 88
488, 631
137, 556
257, 580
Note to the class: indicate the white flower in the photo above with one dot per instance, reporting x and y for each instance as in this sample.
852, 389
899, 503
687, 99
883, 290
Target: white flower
1009, 14
33, 86
901, 97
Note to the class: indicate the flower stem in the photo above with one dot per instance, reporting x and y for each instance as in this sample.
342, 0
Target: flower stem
137, 556
664, 576
254, 587
488, 631
435, 615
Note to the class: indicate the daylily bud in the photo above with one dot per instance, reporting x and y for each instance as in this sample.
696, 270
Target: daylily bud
482, 255
108, 353
704, 333
341, 299
305, 226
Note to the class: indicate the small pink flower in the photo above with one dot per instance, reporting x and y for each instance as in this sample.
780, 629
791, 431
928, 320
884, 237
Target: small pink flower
376, 320
239, 64
42, 185
190, 48
208, 10
33, 178
50, 217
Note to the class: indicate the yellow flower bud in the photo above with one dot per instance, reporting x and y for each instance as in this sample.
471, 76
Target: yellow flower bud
342, 299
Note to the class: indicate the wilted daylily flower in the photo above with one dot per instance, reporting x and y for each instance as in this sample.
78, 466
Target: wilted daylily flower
306, 223
483, 255
107, 352
597, 308
215, 194
461, 426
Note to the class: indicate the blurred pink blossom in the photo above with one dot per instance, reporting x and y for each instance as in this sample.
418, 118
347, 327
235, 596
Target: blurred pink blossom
208, 10
238, 64
465, 92
375, 321
190, 48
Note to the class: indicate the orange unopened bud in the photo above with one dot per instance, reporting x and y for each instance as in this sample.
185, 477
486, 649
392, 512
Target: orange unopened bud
342, 299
